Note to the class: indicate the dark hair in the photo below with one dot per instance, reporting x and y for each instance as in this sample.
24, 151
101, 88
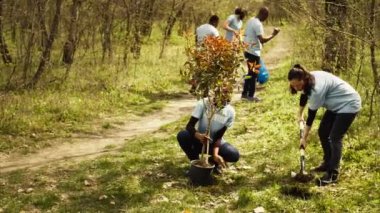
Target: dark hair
214, 19
263, 13
300, 73
240, 12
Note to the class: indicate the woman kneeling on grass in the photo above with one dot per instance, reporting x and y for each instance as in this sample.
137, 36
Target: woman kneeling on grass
191, 140
342, 104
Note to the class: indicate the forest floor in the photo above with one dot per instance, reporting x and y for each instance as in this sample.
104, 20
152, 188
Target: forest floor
83, 146
138, 166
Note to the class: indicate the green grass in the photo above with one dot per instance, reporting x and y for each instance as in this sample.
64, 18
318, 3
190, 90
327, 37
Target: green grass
92, 94
148, 175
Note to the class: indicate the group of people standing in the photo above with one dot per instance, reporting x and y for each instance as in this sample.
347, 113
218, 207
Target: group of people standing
253, 40
318, 89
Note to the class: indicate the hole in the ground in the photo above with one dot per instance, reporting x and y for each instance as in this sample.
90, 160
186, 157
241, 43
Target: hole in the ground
297, 191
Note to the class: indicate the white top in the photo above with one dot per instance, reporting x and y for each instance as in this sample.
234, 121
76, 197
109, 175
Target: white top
234, 23
205, 30
334, 94
223, 118
253, 29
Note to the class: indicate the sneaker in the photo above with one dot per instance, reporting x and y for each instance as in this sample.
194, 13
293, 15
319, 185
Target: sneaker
244, 96
254, 99
328, 178
320, 168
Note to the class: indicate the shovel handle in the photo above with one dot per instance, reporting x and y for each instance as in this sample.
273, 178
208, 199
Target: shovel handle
302, 126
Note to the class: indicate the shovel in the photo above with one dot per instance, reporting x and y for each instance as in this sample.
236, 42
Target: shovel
302, 176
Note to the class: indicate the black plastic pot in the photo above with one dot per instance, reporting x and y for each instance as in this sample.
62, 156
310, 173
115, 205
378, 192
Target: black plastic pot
200, 175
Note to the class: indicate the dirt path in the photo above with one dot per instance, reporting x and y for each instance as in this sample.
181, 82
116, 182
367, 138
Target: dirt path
87, 148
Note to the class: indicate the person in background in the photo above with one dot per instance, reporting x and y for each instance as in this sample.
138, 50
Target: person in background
208, 29
192, 139
233, 24
342, 103
254, 39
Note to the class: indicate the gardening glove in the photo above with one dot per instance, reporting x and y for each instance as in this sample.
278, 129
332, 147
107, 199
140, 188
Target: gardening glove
219, 160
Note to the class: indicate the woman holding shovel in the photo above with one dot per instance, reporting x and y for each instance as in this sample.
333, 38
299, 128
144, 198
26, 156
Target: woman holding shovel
342, 103
191, 140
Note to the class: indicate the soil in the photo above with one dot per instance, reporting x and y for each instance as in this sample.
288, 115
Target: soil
202, 164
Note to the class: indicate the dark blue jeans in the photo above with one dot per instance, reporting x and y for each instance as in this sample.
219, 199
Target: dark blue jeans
331, 131
193, 147
250, 79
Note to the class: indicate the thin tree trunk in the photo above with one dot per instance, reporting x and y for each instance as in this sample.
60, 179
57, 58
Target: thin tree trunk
170, 24
107, 30
335, 45
72, 40
41, 6
147, 18
49, 43
127, 42
28, 55
28, 37
70, 44
376, 77
12, 7
136, 39
7, 58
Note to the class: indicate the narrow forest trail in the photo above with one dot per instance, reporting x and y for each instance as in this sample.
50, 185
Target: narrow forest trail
90, 147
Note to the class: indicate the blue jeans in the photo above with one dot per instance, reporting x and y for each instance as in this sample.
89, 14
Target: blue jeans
193, 147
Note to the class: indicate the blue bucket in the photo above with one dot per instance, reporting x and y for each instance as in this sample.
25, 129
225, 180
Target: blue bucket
263, 75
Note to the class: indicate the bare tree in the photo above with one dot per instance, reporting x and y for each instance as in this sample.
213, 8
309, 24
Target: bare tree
3, 46
176, 12
148, 17
106, 31
72, 37
335, 48
376, 77
45, 58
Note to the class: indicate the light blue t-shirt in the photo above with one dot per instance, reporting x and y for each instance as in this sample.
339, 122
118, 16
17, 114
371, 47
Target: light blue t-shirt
253, 29
333, 93
234, 23
223, 118
205, 30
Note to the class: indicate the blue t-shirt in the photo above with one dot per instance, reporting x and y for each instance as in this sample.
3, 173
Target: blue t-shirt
222, 118
333, 93
234, 23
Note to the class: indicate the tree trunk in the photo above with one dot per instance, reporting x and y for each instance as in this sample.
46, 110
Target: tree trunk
376, 77
136, 39
335, 45
3, 46
128, 23
12, 7
72, 39
28, 37
147, 18
170, 24
41, 6
107, 30
49, 43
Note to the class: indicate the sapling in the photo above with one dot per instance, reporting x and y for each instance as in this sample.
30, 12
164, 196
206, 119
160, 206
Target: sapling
213, 68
